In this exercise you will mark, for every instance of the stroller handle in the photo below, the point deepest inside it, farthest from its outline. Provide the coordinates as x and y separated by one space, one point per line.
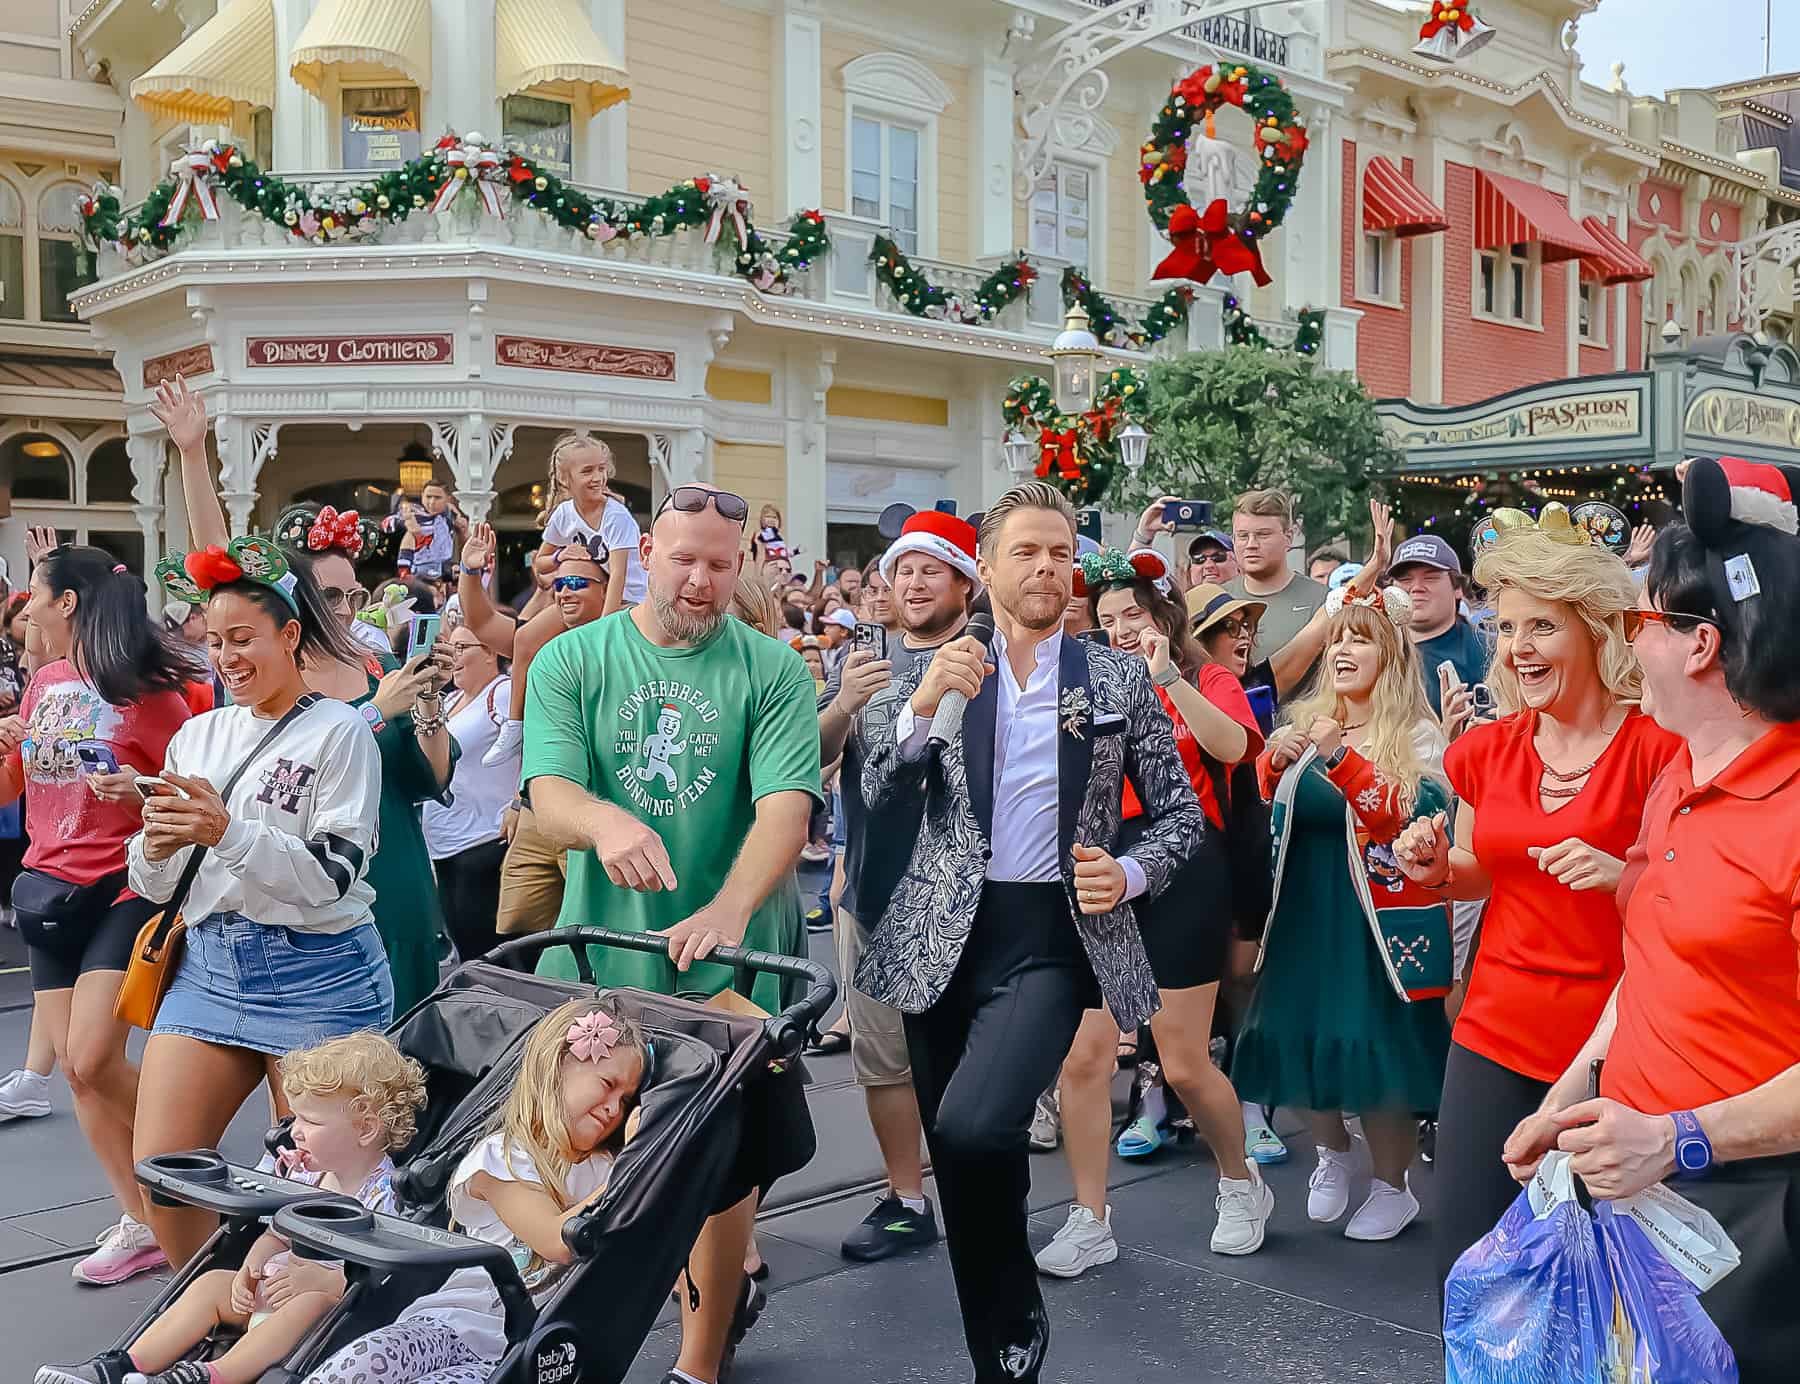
788 1029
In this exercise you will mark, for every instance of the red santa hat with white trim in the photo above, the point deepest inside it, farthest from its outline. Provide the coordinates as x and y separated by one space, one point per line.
943 536
1730 489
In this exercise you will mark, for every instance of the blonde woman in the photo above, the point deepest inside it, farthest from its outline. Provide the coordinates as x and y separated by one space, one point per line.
1344 1019
1548 802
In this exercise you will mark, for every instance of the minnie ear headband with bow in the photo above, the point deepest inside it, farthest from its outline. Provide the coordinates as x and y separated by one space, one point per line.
326 530
192 577
1391 601
1107 568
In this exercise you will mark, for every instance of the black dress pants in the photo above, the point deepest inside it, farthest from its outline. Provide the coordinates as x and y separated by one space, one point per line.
469 891
981 1056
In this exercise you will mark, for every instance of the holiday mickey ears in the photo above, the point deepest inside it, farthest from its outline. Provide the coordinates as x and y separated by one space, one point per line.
893 519
191 576
312 529
1717 493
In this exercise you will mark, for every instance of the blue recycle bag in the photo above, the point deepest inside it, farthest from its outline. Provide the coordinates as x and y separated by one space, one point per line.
1559 1294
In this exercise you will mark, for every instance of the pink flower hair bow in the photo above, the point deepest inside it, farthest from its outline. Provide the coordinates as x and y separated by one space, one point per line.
592 1037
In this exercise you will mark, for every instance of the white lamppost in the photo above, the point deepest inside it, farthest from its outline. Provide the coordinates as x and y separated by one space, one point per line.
1134 445
1075 356
1019 452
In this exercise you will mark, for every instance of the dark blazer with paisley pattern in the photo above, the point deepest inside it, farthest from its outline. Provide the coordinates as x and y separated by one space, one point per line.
1110 724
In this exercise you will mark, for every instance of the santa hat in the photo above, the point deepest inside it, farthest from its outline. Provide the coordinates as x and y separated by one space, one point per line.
935 534
1731 489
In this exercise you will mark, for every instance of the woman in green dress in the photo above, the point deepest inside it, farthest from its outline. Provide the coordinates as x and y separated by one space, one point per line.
1348 1017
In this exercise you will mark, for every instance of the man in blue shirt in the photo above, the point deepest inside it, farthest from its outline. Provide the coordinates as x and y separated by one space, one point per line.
1428 570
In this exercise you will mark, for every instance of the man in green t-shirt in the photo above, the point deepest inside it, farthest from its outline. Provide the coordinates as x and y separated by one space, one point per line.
675 751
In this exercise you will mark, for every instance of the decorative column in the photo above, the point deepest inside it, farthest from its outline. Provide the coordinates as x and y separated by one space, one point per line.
243 448
1430 271
149 456
799 81
991 160
806 378
463 96
1309 253
606 157
304 128
1206 318
475 449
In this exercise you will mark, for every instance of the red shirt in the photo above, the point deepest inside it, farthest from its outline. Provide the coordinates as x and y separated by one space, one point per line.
1549 955
72 731
1224 691
1710 1004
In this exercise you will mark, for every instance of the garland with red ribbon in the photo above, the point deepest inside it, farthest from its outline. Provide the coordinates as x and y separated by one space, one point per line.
1078 454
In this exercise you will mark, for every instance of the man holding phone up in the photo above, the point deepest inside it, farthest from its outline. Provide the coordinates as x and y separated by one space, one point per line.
931 569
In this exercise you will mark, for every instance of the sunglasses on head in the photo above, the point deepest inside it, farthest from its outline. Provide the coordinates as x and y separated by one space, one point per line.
562 584
1636 620
693 499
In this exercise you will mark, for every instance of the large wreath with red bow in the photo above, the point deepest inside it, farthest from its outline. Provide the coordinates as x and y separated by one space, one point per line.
1220 239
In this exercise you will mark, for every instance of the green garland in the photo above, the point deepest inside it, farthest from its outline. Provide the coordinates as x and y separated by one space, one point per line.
1164 316
808 240
922 298
1241 331
1078 455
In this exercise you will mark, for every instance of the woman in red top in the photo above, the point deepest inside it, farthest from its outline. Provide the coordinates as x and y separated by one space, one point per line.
1185 929
1702 1040
1549 798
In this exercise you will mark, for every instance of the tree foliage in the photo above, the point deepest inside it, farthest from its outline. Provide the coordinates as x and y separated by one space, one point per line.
1223 422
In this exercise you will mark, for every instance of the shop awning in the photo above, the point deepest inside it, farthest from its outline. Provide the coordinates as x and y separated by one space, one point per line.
1392 203
547 47
227 60
1617 262
1509 211
382 38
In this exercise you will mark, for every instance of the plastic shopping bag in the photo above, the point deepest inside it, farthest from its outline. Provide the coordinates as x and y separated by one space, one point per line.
1559 1294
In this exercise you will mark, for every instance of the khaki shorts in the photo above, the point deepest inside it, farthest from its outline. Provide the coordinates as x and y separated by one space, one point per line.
531 881
877 1031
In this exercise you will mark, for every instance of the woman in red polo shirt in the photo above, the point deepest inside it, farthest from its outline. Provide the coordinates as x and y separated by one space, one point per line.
1701 1043
1549 798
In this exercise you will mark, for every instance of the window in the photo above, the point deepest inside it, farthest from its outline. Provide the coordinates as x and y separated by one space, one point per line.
39 467
1508 282
109 477
1380 268
1592 306
541 130
62 268
380 126
12 253
262 136
1060 213
884 177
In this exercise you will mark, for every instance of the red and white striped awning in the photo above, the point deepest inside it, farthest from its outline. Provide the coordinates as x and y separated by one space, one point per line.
1392 203
1617 262
1509 211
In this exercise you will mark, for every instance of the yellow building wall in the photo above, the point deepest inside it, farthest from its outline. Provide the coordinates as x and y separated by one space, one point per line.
845 401
700 95
733 386
837 48
757 472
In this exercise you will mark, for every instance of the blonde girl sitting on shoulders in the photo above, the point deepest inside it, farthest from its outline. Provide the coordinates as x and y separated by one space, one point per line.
546 1160
581 507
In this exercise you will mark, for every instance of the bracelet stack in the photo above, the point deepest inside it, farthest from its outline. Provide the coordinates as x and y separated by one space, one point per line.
428 713
1168 677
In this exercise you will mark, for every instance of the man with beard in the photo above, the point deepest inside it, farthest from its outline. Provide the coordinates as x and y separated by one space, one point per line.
1011 917
931 569
657 740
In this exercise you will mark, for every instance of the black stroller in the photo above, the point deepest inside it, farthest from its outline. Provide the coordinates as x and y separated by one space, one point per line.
723 1113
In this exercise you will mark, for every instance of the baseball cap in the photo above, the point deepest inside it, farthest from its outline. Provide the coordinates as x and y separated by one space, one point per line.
1426 550
1212 536
842 617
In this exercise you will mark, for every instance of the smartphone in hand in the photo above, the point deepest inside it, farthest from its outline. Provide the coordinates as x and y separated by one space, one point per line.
871 637
423 634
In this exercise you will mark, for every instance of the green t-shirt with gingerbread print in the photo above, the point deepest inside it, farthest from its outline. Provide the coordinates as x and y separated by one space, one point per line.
685 739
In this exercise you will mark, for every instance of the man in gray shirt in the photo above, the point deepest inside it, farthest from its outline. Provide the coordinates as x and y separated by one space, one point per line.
1262 531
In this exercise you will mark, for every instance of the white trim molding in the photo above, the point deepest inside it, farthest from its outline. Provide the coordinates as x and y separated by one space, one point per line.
894 79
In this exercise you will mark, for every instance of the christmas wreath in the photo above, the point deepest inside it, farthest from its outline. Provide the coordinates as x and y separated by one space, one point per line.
1220 239
1079 455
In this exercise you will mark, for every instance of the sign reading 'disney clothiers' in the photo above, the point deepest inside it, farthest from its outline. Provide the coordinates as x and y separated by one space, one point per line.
419 348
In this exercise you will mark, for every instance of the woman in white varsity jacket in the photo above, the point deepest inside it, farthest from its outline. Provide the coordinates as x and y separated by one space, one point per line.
280 791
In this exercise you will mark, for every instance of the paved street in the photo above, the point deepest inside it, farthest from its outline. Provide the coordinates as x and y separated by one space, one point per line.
1310 1307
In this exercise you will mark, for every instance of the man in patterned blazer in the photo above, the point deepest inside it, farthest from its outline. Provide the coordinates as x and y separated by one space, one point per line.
1013 916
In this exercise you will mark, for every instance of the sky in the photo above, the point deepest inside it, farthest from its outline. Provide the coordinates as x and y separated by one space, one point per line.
1679 43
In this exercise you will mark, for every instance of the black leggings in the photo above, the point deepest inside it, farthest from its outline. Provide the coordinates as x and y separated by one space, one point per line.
1482 1104
469 889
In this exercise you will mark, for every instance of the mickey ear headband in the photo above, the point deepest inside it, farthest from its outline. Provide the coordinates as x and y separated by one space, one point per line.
1109 567
1593 522
313 529
1736 507
192 577
1391 601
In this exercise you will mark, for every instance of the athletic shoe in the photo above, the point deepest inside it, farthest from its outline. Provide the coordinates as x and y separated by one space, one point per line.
1046 1123
891 1228
1141 1138
1329 1197
125 1251
508 743
818 919
1245 1205
1428 1141
815 852
1264 1145
24 1095
1083 1242
1387 1212
110 1368
181 1372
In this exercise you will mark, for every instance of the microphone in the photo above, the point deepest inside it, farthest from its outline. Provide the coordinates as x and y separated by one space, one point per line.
948 720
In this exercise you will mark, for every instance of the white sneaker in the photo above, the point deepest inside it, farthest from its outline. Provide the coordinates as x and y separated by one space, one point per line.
1387 1212
506 744
125 1250
24 1095
1329 1197
1083 1242
1046 1123
1245 1206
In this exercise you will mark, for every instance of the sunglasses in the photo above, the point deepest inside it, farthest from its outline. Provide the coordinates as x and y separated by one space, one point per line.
562 584
1636 620
1217 559
355 597
693 499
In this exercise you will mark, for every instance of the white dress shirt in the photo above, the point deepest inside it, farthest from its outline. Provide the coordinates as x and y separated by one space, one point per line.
1027 728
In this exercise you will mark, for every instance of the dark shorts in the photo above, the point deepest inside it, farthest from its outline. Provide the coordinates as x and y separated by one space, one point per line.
71 929
1187 927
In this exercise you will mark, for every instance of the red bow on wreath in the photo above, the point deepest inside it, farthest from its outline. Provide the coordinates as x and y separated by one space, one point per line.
334 530
1206 245
1058 449
1448 16
518 172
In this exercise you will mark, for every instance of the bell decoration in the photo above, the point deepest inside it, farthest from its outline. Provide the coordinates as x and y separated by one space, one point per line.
1451 32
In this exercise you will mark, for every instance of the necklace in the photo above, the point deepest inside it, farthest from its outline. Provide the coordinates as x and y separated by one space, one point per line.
1358 726
1571 775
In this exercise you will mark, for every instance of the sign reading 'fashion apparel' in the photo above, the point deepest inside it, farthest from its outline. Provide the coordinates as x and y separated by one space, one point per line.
1549 420
584 358
421 348
1734 415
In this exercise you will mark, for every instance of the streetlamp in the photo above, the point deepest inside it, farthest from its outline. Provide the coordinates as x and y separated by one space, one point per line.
1134 445
1075 355
1020 453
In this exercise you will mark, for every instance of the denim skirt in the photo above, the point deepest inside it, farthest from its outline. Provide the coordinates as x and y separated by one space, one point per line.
240 984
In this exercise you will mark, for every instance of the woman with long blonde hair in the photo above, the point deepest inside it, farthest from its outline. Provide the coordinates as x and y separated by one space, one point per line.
1354 958
1548 802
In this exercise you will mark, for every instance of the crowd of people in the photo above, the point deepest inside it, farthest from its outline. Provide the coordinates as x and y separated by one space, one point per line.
1273 839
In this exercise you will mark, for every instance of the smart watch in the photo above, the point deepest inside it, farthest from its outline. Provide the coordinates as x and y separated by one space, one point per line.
1693 1150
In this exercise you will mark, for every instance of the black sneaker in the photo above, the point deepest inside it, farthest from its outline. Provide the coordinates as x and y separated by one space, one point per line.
110 1368
1428 1140
183 1372
890 1229
818 919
